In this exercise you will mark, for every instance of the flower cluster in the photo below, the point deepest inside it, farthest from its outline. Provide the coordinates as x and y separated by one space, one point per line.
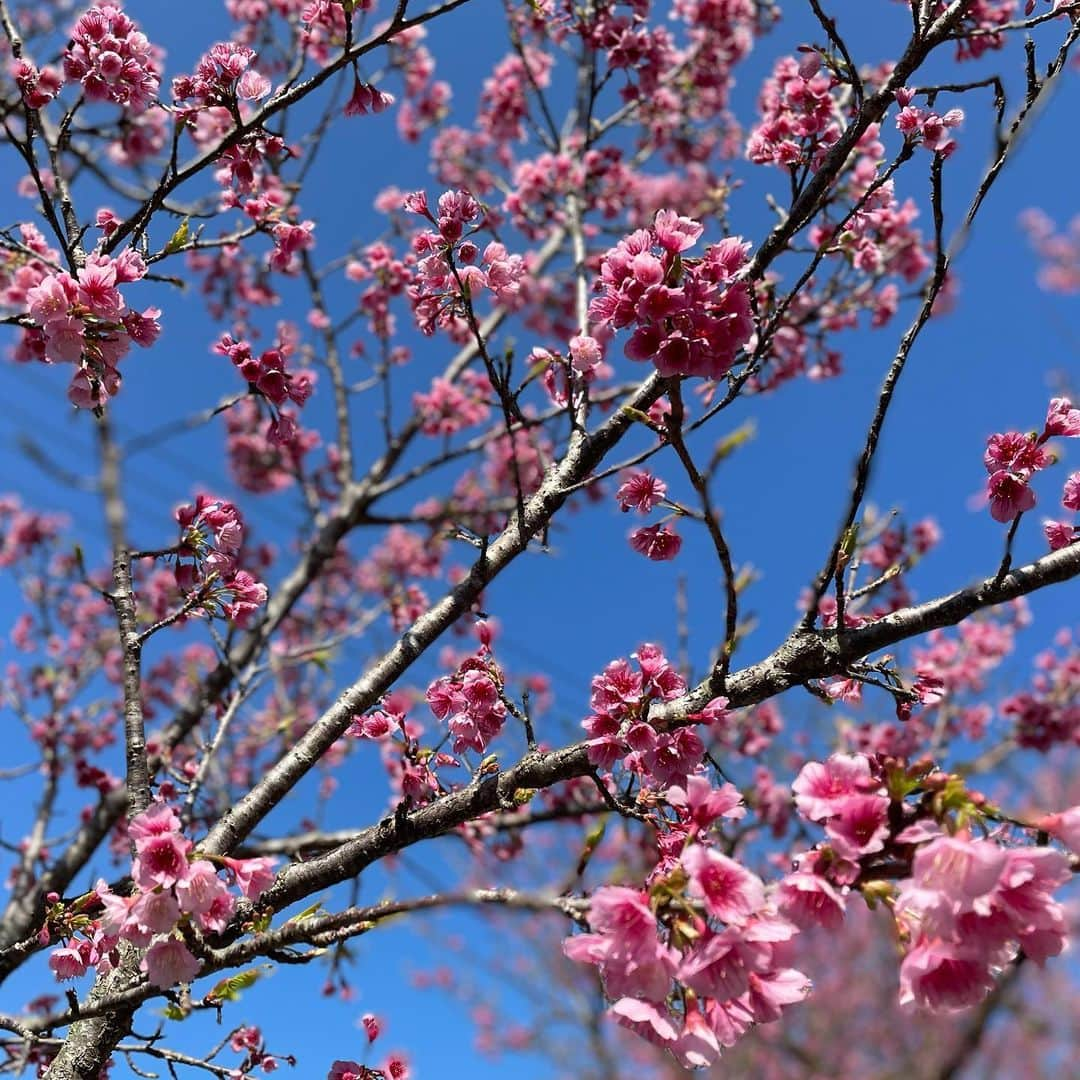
707 926
966 906
451 406
1060 251
173 888
925 126
366 98
38 87
619 729
1012 458
84 320
470 702
690 317
395 1067
1047 714
212 533
268 373
844 794
222 75
112 59
265 459
967 909
451 270
799 116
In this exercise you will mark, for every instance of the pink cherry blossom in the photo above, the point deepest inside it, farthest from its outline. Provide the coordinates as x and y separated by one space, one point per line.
169 962
730 891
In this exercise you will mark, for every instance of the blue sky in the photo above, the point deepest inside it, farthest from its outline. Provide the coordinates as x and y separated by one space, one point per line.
988 366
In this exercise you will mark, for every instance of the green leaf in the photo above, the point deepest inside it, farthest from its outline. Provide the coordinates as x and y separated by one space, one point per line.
229 988
174 1012
636 414
305 914
179 238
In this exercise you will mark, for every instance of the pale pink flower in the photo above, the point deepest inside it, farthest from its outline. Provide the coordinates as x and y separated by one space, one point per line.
959 868
808 900
1064 827
169 962
67 963
199 888
155 912
936 976
253 876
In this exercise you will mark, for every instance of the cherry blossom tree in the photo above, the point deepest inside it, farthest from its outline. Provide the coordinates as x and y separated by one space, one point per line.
574 311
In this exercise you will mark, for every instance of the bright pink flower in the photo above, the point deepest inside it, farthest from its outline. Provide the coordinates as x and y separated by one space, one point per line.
161 860
1059 534
1070 497
156 912
346 1070
1009 495
821 788
704 804
169 962
626 948
657 542
860 825
1015 452
248 595
157 820
730 891
1062 419
371 1025
674 233
641 491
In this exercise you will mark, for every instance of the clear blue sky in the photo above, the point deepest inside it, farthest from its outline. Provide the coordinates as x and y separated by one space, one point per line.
984 368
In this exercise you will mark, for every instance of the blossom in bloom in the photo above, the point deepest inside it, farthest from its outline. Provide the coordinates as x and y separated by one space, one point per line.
730 891
1062 418
625 946
937 976
640 491
160 860
169 962
253 876
809 900
821 788
346 1070
112 59
67 963
1009 495
1070 497
657 542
